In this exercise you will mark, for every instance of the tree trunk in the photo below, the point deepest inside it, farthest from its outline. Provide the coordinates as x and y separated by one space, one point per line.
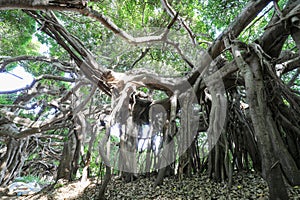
66 168
260 116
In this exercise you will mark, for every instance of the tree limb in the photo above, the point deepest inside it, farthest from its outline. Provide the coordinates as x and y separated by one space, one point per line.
7 61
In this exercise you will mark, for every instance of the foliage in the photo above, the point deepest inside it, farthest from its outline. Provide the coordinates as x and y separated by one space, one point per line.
7 99
17 30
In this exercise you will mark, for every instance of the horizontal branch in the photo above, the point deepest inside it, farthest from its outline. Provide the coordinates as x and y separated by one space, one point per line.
41 5
46 59
123 34
34 127
33 131
226 70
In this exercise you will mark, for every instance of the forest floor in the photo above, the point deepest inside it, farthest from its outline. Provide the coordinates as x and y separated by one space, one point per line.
244 186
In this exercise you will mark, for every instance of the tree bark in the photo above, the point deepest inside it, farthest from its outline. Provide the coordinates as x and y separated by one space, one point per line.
12 162
65 169
260 115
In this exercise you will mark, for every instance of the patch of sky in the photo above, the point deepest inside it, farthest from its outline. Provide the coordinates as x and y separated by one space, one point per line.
15 79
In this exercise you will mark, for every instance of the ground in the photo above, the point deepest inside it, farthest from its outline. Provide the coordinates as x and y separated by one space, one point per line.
244 186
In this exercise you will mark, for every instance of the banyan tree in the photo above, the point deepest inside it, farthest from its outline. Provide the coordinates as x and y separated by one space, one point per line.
149 88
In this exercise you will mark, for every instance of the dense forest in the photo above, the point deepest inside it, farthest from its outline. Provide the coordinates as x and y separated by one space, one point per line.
148 90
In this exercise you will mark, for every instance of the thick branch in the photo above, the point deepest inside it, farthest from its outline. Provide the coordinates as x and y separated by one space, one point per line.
241 22
41 5
233 31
